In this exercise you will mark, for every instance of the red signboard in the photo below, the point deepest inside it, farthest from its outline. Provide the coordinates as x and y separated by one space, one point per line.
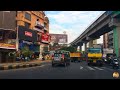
45 38
28 33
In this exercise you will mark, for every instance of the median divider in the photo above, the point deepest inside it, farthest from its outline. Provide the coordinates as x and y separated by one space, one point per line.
20 65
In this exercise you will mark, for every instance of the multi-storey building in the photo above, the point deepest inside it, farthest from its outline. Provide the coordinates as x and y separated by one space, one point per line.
108 40
23 28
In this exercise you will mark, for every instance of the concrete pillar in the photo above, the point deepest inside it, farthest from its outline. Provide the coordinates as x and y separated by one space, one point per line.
0 57
116 40
85 46
80 48
91 43
41 51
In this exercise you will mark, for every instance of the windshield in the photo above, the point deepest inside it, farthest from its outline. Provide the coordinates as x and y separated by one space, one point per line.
94 50
57 55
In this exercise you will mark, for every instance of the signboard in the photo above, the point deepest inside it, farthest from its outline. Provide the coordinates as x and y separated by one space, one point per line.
59 38
7 46
27 34
45 38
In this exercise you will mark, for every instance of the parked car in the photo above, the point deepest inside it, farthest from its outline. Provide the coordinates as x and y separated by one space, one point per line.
61 59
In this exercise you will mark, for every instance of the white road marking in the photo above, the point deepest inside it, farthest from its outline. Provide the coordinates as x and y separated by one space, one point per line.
90 68
42 66
98 68
81 67
107 68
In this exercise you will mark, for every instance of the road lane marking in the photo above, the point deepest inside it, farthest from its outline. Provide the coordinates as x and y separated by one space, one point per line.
90 68
81 67
42 66
98 68
105 68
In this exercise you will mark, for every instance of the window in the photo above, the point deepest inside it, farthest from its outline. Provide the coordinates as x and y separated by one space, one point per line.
45 24
27 16
27 25
38 38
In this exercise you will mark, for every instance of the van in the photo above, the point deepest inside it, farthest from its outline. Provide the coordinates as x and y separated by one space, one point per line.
61 59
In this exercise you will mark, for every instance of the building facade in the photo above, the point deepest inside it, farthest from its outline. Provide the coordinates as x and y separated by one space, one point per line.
19 29
105 40
108 40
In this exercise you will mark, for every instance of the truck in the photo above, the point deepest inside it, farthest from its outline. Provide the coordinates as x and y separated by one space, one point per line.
75 56
94 55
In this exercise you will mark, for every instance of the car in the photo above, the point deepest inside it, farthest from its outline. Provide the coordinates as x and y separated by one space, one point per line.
61 59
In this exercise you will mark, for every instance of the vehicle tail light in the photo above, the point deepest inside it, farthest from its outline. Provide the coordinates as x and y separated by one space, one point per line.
62 57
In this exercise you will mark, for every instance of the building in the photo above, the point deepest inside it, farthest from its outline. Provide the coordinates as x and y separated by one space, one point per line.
105 40
108 40
23 28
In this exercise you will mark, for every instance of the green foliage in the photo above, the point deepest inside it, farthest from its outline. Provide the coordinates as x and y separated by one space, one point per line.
70 48
26 52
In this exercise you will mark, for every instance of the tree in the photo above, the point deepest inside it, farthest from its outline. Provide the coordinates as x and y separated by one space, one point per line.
26 52
70 48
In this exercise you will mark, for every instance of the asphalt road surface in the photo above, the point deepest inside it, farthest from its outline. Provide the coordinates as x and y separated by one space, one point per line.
76 70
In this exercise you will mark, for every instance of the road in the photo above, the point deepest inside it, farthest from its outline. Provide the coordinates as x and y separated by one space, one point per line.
74 71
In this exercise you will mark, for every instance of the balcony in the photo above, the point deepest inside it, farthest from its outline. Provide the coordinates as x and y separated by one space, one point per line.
39 27
45 29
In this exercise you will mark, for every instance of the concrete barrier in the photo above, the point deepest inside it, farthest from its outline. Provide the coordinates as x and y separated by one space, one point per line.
21 65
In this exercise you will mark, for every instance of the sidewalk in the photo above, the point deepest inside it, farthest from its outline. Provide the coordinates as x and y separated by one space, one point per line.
16 65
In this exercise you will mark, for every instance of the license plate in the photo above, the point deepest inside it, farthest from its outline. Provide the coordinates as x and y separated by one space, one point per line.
94 61
57 59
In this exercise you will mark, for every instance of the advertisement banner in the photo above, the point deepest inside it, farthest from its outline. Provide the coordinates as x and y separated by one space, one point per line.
27 34
45 38
59 38
7 46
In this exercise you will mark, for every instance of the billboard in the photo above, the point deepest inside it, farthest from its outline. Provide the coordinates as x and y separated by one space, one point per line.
59 38
27 34
45 38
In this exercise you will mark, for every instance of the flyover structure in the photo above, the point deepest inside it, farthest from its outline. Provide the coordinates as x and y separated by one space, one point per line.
108 21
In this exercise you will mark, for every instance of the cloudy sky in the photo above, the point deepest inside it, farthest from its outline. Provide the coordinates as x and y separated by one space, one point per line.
73 22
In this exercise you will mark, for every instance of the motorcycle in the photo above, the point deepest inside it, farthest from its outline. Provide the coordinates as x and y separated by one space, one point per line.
115 64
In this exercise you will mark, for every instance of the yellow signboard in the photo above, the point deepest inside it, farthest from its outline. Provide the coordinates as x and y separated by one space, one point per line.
5 45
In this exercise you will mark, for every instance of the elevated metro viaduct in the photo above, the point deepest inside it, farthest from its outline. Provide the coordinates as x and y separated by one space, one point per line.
108 21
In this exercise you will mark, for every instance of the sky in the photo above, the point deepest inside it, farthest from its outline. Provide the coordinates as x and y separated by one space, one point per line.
73 22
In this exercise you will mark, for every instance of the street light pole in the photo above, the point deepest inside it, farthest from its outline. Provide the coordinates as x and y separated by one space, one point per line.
17 39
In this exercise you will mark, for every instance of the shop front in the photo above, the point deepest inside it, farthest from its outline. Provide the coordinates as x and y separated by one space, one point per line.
7 45
7 52
27 42
45 40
